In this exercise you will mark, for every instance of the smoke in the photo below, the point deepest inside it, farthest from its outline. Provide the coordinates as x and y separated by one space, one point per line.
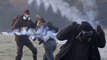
90 9
72 13
30 1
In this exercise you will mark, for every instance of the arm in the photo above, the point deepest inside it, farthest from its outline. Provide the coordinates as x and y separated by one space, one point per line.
63 34
67 32
101 37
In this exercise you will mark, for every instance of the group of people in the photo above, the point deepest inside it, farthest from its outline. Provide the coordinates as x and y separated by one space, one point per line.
82 39
25 30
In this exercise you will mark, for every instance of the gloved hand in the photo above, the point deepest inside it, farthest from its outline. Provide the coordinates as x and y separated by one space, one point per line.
40 41
100 31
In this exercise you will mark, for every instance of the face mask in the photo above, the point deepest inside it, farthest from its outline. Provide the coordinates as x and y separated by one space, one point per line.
85 36
26 16
87 33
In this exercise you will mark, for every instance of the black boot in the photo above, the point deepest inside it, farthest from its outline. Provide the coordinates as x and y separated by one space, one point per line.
35 57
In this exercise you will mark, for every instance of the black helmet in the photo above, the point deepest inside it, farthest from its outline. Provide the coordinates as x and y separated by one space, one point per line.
85 26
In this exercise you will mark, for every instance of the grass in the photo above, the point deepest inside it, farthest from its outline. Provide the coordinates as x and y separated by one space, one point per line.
8 49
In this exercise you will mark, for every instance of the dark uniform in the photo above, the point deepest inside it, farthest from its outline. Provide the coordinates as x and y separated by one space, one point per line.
23 40
80 46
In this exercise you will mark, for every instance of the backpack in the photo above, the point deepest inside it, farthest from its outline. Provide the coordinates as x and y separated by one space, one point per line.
14 21
52 27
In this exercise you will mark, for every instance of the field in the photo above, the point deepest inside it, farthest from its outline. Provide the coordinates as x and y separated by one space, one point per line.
8 49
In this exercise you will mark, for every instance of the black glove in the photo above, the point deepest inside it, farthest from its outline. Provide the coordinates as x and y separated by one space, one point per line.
34 39
100 31
40 41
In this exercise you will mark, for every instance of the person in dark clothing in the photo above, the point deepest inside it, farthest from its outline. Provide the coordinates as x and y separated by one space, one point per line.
23 23
82 42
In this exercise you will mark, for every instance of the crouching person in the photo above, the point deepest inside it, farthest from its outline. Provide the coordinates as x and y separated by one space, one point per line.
82 42
46 35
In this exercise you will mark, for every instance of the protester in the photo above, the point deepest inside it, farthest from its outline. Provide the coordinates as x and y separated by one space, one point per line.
22 26
82 42
46 35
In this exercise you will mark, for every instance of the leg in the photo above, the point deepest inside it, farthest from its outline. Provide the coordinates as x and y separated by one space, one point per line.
44 57
19 50
32 48
49 47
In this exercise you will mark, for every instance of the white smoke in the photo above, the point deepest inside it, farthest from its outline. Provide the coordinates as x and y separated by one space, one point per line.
90 9
30 1
72 12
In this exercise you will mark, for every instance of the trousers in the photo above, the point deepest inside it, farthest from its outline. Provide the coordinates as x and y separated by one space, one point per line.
22 41
49 48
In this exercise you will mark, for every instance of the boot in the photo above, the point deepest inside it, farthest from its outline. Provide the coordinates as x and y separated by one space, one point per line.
35 57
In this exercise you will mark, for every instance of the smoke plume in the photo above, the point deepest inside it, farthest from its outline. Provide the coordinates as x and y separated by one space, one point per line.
72 13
